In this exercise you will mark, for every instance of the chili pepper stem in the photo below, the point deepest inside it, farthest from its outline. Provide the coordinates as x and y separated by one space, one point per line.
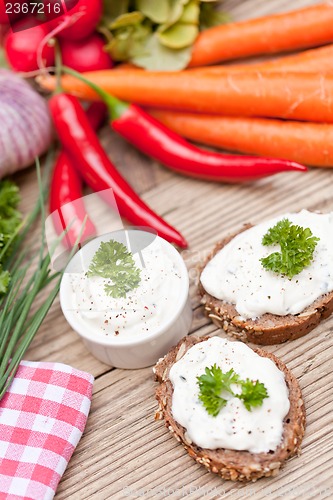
115 106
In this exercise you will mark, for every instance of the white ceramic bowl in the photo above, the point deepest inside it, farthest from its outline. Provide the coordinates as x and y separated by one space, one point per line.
138 352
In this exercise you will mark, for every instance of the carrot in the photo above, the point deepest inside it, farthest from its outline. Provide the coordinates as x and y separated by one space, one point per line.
309 143
298 96
319 60
308 27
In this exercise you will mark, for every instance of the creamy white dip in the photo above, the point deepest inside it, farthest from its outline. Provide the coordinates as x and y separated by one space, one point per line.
234 428
144 309
236 275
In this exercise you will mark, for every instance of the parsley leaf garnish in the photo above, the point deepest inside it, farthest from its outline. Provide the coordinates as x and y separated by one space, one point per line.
213 382
115 263
297 247
253 393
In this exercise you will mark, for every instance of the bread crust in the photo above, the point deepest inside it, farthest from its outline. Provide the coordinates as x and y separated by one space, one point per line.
231 464
267 329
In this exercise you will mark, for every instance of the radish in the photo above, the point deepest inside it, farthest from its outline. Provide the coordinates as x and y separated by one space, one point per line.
3 31
21 46
80 21
85 55
4 18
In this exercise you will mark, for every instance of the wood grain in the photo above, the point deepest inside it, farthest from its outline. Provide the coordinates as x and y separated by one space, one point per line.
124 453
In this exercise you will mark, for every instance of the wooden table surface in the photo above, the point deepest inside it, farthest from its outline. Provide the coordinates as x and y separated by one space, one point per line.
124 453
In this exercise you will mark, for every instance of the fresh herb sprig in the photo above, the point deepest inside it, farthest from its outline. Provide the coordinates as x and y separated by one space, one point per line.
115 263
214 382
10 220
297 247
19 320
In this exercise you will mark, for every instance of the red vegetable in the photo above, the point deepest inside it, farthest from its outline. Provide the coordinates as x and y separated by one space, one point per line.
156 140
85 55
66 188
4 18
87 154
81 20
22 46
3 32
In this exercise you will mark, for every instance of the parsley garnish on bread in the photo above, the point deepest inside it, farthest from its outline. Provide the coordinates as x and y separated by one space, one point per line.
297 248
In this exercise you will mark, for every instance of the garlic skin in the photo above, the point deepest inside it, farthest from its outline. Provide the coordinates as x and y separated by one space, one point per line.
26 128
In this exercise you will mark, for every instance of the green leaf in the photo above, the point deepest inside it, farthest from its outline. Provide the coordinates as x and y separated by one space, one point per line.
10 220
297 248
179 36
253 394
213 382
115 263
212 403
4 281
210 16
129 42
156 57
191 13
176 10
127 20
113 9
157 11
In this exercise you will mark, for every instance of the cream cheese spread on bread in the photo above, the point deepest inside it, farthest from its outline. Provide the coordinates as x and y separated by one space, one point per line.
236 275
234 428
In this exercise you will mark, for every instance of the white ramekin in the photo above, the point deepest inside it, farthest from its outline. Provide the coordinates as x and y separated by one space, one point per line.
127 352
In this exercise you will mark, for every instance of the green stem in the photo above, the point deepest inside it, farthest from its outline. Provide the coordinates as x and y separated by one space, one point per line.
115 106
58 65
7 377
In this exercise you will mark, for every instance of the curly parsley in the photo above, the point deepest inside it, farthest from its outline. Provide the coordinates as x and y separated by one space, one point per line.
297 247
10 220
115 263
214 382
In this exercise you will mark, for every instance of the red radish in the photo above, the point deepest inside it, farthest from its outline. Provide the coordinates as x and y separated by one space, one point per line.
82 20
3 16
22 46
11 7
85 55
3 31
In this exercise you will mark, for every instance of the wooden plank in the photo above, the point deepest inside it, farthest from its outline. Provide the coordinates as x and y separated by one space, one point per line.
124 453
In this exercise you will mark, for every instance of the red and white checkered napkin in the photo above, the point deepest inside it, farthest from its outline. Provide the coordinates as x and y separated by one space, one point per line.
42 418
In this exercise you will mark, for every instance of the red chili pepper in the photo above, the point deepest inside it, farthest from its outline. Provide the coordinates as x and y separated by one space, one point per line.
66 204
156 140
87 154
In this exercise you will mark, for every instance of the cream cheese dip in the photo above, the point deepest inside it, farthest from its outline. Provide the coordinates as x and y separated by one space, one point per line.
144 309
236 275
135 330
234 428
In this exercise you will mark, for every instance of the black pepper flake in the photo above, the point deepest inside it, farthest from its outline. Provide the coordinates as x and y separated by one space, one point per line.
116 332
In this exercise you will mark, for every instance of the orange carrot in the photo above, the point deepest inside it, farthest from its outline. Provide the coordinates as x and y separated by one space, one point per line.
308 27
318 60
298 96
309 143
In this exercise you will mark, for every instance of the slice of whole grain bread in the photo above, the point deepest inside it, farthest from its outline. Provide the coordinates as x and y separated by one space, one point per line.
231 464
268 329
